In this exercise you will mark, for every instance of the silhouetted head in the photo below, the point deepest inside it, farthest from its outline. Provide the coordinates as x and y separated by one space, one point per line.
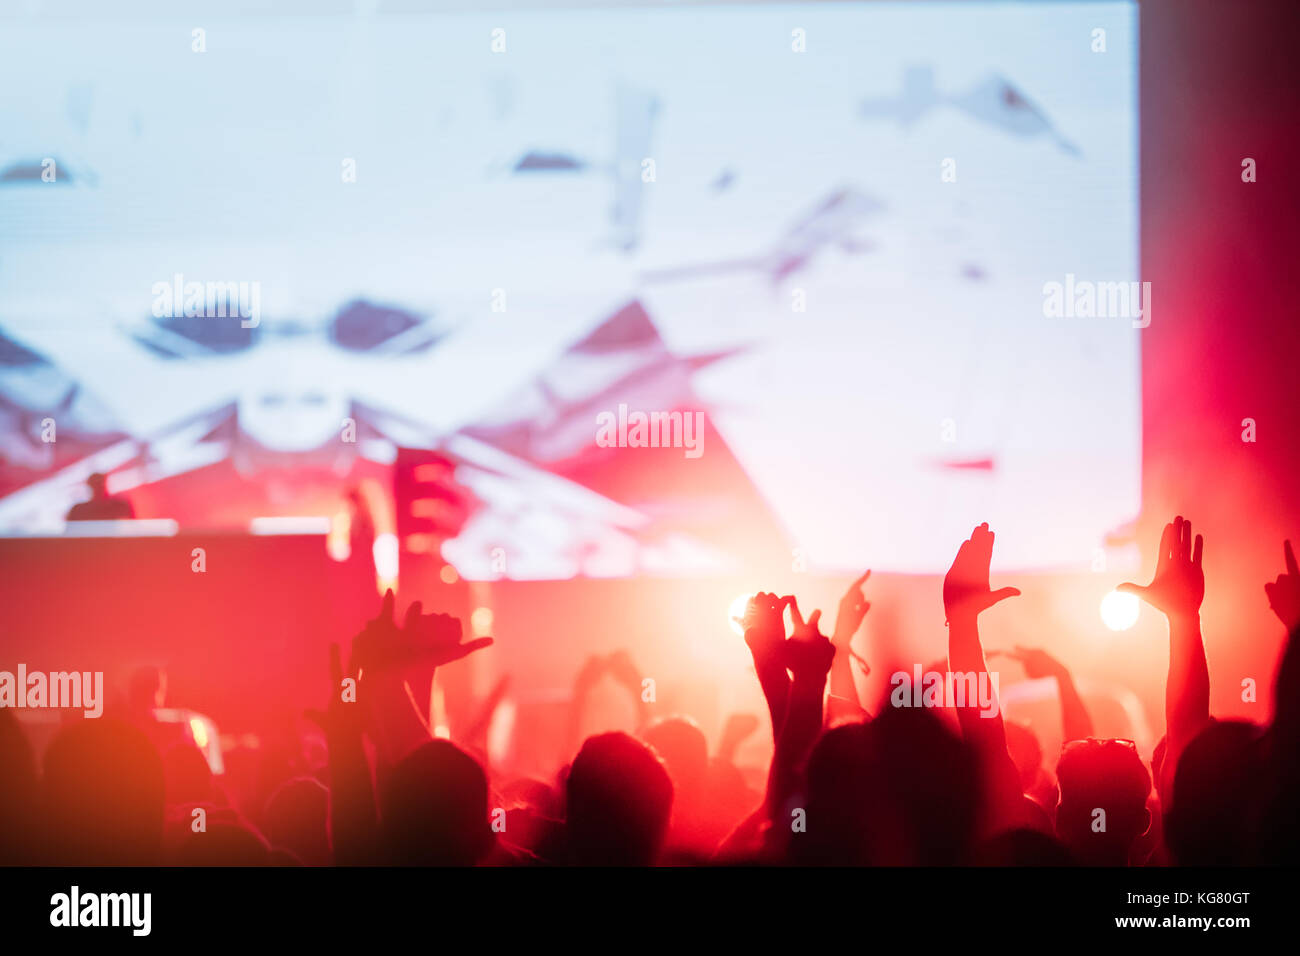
681 745
899 790
619 798
297 819
98 485
1219 787
435 808
1103 809
102 796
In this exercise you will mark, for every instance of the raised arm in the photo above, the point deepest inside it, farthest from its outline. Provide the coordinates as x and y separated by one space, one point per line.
764 627
628 676
966 594
390 668
398 665
353 817
1076 724
844 702
1284 598
588 676
1284 593
1177 591
807 655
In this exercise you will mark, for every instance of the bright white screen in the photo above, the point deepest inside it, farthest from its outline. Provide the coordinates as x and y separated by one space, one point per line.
865 227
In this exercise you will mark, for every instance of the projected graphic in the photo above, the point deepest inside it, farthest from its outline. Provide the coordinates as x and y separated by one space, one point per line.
258 271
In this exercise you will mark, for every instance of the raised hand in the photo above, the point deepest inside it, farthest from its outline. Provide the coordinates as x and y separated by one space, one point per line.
764 624
764 629
353 818
852 610
1177 589
1284 593
808 653
1179 583
423 642
1076 724
345 710
1036 661
966 594
966 586
593 668
620 667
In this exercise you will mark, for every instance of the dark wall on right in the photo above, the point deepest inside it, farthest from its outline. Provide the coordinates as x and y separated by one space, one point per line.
1219 85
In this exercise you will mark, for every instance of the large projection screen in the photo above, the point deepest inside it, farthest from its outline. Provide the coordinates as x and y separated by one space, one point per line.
833 230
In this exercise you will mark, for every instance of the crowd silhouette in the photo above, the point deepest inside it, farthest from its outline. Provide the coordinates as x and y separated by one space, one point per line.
900 786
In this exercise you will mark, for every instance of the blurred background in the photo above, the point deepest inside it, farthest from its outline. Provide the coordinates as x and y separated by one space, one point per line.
438 326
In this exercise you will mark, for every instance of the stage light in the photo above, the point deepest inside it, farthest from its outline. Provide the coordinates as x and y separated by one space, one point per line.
338 543
501 728
448 574
481 621
737 610
385 553
1119 611
199 730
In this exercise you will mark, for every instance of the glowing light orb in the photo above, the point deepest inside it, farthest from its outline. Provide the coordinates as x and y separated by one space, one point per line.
737 610
385 553
481 621
1119 611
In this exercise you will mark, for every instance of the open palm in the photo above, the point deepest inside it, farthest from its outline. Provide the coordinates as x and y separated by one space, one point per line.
966 586
1284 593
853 609
1179 583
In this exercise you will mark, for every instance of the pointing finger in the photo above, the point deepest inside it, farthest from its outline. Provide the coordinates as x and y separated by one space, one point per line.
795 617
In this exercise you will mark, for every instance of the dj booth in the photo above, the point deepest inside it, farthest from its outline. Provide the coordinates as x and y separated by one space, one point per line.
241 622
